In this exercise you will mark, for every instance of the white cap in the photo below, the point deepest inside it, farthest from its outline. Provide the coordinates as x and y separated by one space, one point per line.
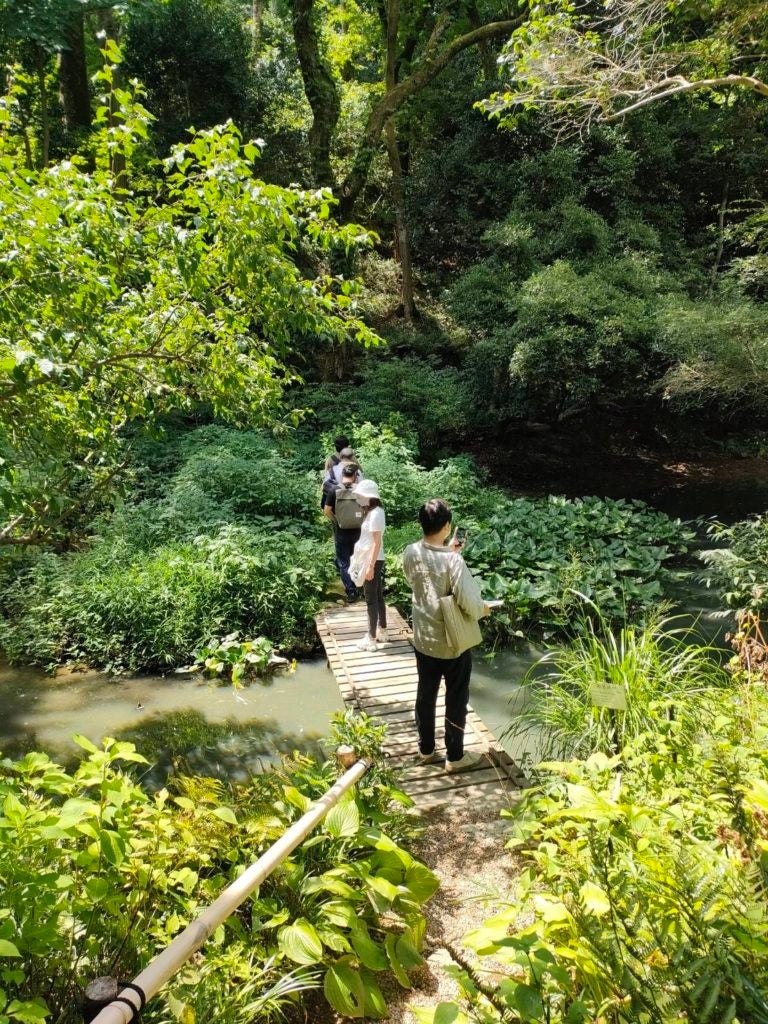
367 489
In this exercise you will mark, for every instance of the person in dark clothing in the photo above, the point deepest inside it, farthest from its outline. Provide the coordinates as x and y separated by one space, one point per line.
341 506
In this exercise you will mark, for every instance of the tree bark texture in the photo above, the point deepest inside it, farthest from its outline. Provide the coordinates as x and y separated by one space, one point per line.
402 238
321 91
73 76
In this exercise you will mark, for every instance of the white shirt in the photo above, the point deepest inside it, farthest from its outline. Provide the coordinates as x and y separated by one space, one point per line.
374 522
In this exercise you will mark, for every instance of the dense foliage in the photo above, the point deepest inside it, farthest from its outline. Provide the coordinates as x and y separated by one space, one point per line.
119 304
228 537
98 876
739 564
641 894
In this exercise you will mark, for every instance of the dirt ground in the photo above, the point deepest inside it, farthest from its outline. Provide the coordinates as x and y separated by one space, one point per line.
466 851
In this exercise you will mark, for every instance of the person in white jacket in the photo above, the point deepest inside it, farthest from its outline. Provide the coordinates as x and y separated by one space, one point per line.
435 569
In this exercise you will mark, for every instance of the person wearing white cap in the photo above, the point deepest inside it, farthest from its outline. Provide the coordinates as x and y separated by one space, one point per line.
367 565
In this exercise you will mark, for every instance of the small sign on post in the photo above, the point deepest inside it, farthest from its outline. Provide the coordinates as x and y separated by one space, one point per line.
609 695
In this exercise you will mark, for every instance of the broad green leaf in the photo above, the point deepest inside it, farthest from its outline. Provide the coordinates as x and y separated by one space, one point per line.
225 814
594 899
343 988
343 820
300 942
7 948
422 882
390 945
112 846
368 952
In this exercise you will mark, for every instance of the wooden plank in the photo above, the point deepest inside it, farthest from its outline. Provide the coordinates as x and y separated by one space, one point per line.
383 683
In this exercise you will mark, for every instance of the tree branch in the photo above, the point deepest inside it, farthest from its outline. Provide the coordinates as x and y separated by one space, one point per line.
394 98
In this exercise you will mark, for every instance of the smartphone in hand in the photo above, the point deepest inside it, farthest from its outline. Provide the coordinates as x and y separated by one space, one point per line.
461 535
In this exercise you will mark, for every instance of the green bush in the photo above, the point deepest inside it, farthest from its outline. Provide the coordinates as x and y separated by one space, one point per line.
739 565
642 894
98 877
125 608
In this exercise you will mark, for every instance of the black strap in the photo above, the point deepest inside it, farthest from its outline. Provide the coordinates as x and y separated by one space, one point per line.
139 992
128 1002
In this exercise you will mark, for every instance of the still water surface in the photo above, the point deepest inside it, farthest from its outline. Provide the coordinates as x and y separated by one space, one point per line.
216 730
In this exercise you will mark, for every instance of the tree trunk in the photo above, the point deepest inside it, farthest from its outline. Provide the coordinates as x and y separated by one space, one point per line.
45 121
320 89
402 239
73 76
720 239
394 98
257 14
487 58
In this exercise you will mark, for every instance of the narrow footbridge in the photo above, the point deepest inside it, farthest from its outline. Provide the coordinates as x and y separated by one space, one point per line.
383 685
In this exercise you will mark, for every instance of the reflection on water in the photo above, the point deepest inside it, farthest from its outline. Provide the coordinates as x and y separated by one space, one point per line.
206 728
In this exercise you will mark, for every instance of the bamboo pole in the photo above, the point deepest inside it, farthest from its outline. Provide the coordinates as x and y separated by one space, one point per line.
167 963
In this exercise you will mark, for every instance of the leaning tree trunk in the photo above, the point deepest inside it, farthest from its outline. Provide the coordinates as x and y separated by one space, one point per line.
402 238
73 76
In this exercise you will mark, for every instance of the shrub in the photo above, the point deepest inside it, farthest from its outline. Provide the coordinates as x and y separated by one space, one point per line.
127 608
739 565
98 877
642 893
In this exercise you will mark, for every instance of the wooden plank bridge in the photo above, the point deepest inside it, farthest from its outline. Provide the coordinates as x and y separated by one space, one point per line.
383 685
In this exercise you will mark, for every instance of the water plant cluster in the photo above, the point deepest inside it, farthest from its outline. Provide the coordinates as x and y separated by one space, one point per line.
224 533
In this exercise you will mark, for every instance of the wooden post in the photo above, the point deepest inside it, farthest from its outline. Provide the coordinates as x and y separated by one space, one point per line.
98 994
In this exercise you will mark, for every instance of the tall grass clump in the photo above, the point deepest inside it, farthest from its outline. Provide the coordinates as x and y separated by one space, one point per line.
662 669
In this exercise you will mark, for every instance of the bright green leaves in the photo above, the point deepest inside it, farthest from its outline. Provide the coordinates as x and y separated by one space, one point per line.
353 993
300 942
93 847
131 308
544 556
343 820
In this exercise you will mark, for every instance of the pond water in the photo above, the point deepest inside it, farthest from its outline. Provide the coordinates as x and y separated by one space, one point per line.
199 725
216 730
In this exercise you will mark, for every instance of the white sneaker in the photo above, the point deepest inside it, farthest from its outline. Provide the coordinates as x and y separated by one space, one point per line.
467 762
367 643
382 635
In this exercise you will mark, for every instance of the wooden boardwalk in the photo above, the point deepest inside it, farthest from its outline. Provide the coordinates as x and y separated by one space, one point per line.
383 684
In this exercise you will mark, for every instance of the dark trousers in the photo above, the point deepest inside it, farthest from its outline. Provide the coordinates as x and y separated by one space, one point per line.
374 598
456 672
345 541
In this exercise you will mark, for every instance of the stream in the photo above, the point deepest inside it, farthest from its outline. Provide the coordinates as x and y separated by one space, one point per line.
207 728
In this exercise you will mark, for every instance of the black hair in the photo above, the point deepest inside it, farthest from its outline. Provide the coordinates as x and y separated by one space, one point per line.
374 503
341 442
433 515
351 469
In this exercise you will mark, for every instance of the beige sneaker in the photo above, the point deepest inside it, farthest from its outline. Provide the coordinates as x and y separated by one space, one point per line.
433 758
467 763
382 635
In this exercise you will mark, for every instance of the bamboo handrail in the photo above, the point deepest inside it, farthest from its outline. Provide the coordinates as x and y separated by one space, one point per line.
167 963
